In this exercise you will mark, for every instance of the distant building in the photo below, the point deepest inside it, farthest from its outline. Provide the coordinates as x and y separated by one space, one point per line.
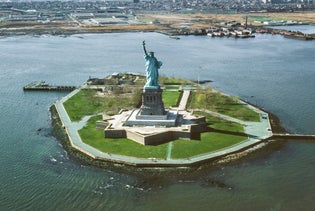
82 15
27 17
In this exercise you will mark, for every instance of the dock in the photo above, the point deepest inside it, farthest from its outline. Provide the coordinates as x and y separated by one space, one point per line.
43 86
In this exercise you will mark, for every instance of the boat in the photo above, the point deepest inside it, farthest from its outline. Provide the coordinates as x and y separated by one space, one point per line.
175 37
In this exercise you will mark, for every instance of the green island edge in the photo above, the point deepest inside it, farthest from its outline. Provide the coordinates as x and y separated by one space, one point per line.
220 134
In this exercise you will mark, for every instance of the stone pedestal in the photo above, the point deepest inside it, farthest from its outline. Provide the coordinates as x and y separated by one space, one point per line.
152 112
152 104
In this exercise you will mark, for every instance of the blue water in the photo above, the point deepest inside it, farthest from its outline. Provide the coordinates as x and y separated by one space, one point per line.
269 70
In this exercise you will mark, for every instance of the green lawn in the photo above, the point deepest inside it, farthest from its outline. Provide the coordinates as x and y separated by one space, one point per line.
170 80
85 102
262 18
210 141
221 124
227 134
215 101
170 98
82 104
121 146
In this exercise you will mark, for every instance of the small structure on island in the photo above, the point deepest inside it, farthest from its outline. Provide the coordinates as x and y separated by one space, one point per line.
152 124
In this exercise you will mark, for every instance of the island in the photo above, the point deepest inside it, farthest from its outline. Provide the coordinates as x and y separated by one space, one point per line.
122 121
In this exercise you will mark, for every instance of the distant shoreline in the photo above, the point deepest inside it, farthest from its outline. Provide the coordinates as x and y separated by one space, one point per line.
169 24
69 32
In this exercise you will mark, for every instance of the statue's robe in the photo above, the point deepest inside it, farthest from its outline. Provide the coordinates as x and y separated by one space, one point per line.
152 73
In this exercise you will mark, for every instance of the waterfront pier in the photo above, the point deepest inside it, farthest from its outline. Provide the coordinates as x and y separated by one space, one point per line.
43 86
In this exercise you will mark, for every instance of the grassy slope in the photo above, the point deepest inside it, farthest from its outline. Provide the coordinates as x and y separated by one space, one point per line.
215 101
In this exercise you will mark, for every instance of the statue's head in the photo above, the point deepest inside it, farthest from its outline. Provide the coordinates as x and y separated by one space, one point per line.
151 53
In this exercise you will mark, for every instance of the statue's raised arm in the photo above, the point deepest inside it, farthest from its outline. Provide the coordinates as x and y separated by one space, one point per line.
144 49
152 69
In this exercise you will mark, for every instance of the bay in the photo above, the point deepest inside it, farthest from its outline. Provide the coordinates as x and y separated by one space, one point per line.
269 70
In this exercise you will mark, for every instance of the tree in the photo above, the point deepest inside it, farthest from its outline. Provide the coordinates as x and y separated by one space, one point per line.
136 97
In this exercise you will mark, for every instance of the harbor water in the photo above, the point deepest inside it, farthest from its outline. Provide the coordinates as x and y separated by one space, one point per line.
273 72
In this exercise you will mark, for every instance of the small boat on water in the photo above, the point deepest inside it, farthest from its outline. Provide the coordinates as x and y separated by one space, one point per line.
175 37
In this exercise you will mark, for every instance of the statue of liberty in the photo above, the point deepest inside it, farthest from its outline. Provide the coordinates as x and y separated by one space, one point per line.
152 69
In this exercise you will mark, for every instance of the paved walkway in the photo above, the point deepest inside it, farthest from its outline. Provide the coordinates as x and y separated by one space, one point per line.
169 150
184 100
258 131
